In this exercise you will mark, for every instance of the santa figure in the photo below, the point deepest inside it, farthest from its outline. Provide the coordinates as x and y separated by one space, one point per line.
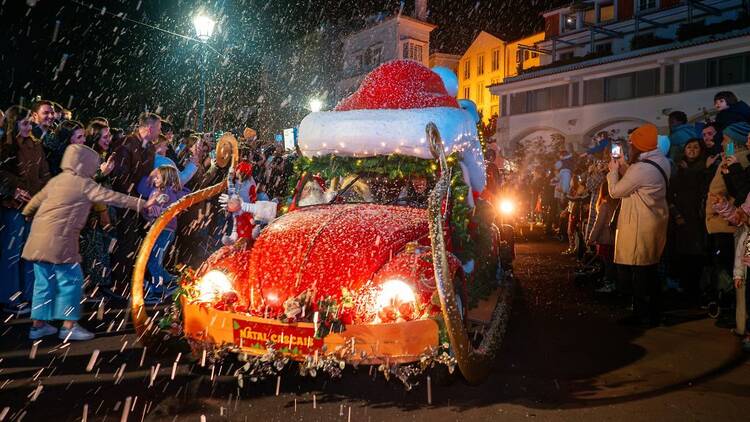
243 186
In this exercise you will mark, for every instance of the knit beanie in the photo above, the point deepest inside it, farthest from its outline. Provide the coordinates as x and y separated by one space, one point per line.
737 132
645 137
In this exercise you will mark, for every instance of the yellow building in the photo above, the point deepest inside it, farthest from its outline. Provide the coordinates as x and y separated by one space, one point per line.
489 60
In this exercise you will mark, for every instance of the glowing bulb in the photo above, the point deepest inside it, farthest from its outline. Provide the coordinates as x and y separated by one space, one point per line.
394 292
204 27
213 285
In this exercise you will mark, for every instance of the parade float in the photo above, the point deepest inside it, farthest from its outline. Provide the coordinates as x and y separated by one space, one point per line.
388 254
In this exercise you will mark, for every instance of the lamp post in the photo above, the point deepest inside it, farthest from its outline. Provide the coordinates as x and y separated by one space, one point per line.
204 28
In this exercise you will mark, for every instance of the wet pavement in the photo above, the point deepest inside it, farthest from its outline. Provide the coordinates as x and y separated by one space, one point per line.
564 358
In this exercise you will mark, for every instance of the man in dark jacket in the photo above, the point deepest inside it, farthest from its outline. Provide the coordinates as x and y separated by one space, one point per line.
134 160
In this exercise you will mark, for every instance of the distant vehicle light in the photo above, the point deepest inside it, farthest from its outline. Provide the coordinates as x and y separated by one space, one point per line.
507 206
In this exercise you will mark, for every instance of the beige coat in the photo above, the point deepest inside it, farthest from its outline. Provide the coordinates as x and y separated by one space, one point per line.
61 208
714 222
642 225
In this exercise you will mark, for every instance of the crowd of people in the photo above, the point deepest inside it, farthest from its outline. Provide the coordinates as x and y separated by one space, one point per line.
78 199
653 213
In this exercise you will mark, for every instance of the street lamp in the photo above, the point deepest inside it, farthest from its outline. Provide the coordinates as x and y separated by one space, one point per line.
315 105
204 28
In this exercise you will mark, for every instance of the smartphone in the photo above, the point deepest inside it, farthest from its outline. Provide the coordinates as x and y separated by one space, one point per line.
730 149
616 151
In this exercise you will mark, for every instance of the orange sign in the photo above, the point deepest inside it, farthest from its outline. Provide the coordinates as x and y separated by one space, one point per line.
288 339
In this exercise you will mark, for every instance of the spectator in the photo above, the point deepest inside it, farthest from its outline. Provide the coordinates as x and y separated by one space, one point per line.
25 170
641 232
738 216
134 160
577 196
163 189
493 174
60 211
603 236
43 128
686 195
70 132
712 145
680 131
98 233
730 109
170 152
735 167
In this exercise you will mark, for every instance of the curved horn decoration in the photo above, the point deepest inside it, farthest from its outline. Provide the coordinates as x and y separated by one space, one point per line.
145 327
473 365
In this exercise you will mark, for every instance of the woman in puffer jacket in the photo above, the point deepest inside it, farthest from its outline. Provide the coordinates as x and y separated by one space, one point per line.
641 233
60 211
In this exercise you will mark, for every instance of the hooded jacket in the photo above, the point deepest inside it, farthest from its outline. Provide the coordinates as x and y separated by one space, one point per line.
642 224
62 207
735 113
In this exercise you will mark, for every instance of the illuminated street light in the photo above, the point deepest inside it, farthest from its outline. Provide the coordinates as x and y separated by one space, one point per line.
204 27
315 105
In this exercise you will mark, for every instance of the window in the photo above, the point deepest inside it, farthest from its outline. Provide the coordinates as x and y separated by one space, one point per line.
480 93
647 83
359 62
693 75
412 51
494 98
575 100
526 55
719 71
495 59
518 103
647 4
376 53
604 47
480 65
558 97
606 12
569 23
567 55
467 93
730 70
503 105
589 16
593 91
619 87
534 54
467 69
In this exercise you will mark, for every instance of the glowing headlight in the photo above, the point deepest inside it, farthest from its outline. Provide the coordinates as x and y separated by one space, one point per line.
394 292
212 285
507 206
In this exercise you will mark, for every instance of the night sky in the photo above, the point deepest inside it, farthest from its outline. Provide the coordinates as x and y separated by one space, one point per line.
98 64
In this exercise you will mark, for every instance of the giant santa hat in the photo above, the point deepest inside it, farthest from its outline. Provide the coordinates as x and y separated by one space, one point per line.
388 115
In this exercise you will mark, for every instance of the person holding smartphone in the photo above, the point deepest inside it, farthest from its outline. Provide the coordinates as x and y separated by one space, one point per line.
641 233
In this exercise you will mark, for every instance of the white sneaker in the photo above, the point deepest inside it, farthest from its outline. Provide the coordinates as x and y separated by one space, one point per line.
76 333
35 333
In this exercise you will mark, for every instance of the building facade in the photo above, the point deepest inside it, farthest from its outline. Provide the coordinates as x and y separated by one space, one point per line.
611 65
489 60
446 60
396 37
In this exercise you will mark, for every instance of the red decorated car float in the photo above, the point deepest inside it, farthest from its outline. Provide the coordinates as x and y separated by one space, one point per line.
388 254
